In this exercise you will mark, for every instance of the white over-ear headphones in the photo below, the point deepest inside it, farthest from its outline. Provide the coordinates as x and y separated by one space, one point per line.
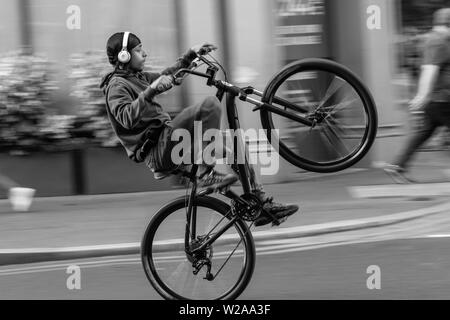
124 56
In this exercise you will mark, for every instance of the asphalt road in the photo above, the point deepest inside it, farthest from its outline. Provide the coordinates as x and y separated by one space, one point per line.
413 260
64 222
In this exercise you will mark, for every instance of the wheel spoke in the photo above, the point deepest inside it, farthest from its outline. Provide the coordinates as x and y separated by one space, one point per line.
331 141
300 93
305 138
345 130
339 140
178 278
217 224
339 106
331 90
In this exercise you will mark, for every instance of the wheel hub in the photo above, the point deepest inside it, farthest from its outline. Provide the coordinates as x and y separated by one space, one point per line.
317 117
204 254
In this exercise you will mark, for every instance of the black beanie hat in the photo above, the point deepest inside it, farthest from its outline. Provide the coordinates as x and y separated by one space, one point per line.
114 45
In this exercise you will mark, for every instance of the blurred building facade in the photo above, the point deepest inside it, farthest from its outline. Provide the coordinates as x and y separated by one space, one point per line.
255 39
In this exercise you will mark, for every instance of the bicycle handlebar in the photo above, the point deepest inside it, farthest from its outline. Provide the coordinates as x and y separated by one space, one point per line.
177 77
222 86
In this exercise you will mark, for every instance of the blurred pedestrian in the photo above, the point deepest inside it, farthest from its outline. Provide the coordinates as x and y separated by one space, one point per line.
433 93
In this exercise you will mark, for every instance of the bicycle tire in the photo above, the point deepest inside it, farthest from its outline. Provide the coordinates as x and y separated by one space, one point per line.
342 72
200 201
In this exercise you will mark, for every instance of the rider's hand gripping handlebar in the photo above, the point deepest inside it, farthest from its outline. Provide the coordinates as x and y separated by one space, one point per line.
178 77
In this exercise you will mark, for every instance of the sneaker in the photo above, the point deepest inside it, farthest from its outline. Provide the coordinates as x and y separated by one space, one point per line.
397 173
280 211
214 180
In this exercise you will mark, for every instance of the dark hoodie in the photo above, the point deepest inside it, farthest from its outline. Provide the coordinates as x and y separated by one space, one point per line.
131 106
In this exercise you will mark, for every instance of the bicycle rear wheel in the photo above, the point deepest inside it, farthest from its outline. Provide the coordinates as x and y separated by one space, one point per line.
340 107
170 269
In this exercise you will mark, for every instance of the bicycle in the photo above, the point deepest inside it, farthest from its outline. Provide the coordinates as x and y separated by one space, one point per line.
200 247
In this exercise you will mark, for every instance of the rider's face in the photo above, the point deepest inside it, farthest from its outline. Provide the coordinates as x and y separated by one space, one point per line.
138 56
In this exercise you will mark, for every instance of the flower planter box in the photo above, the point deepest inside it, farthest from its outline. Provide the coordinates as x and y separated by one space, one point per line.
108 170
49 174
100 170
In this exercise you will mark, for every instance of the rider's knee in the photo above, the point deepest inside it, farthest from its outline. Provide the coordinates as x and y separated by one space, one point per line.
211 105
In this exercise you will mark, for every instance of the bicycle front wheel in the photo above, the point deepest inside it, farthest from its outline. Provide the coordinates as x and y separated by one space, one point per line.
341 115
177 274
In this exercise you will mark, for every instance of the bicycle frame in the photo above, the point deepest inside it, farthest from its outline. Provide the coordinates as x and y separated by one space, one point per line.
232 92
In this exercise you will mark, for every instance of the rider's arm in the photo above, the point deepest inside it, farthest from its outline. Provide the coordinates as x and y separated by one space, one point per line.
126 110
182 62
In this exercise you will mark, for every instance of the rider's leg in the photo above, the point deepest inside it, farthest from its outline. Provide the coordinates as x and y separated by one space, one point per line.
208 113
279 210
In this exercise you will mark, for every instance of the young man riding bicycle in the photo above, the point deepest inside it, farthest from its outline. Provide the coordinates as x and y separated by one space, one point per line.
145 129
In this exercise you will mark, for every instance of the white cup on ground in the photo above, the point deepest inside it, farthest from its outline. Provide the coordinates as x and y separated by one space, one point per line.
21 198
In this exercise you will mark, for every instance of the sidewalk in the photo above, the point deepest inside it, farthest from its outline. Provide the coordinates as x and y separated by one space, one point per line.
57 228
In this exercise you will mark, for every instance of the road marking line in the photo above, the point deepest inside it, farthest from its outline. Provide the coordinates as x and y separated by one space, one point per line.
58 267
306 175
78 263
438 236
13 272
395 190
72 249
278 242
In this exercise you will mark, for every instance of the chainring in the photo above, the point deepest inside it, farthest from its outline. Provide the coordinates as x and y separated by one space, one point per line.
250 212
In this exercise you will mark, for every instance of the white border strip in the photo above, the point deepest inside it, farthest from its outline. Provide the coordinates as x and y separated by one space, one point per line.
400 190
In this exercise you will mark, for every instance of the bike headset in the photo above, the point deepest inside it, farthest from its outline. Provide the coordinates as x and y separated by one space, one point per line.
124 56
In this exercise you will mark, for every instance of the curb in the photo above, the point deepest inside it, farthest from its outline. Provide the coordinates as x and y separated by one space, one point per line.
401 190
306 176
32 255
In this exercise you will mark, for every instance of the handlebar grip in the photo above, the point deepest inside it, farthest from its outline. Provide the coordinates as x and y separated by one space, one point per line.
177 81
162 88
